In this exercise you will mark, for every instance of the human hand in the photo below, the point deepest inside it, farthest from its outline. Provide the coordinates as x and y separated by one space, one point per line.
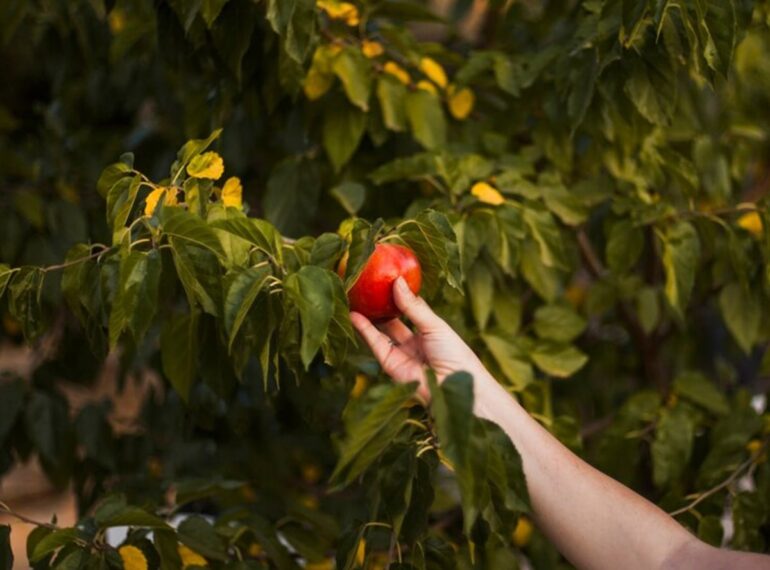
405 355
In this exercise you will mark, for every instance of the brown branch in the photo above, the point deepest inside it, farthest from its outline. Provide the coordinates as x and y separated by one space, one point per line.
9 511
66 264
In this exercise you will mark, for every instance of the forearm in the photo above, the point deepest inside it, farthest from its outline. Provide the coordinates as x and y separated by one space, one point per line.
594 521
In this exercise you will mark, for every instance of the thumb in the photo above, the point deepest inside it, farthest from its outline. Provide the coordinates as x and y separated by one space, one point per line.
414 307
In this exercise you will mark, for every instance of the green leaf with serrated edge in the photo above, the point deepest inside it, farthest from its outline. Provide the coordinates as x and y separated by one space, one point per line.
188 267
672 446
558 322
24 300
240 298
355 73
512 360
115 511
311 290
259 233
197 533
681 251
343 129
180 224
179 352
6 554
556 359
481 288
452 407
135 302
367 432
432 238
350 195
362 237
546 233
391 94
110 176
73 560
190 149
742 312
426 118
74 276
697 388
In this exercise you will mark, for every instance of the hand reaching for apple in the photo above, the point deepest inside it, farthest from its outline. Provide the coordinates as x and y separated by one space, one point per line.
405 355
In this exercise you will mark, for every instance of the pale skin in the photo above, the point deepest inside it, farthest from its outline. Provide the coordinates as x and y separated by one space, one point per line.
593 520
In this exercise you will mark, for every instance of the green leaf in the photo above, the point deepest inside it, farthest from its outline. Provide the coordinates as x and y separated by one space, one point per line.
558 322
558 359
681 250
55 540
672 446
166 544
311 290
512 360
710 530
742 313
74 560
259 233
5 277
375 431
426 119
342 131
548 237
136 300
452 408
350 195
48 427
652 88
391 94
6 554
543 279
417 166
697 388
111 176
199 273
179 352
120 201
293 189
648 308
624 246
362 237
95 435
114 511
210 10
481 288
183 225
233 32
197 533
240 298
327 251
190 150
355 73
24 301
11 402
749 516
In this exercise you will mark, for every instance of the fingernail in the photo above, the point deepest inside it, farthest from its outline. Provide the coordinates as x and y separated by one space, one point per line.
402 286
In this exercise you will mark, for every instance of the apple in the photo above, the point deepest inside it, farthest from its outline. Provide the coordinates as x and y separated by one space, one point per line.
372 293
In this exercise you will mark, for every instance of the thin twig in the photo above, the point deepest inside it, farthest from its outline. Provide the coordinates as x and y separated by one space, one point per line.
4 508
76 261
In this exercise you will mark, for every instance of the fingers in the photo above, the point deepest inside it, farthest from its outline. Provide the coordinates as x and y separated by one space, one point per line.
379 343
397 330
415 308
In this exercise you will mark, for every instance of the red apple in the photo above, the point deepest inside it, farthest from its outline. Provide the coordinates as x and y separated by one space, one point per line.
372 293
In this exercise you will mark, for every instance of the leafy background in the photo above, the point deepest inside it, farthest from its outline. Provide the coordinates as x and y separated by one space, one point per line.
585 183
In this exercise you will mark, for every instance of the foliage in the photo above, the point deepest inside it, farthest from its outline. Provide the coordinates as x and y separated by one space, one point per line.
586 188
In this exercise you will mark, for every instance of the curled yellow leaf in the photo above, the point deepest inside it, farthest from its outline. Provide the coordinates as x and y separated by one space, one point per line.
487 193
433 71
255 550
232 193
208 165
151 202
132 557
523 532
361 552
371 49
342 11
190 557
752 223
461 102
359 387
116 21
394 69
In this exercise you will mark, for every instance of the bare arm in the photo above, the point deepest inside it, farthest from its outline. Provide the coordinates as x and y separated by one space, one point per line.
596 522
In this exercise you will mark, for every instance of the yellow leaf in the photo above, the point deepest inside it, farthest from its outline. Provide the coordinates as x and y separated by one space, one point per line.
327 564
232 193
190 557
371 48
361 552
427 86
752 223
433 71
397 71
317 84
117 21
487 193
311 473
171 197
523 532
461 102
344 11
360 386
754 446
207 165
133 558
310 502
151 202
